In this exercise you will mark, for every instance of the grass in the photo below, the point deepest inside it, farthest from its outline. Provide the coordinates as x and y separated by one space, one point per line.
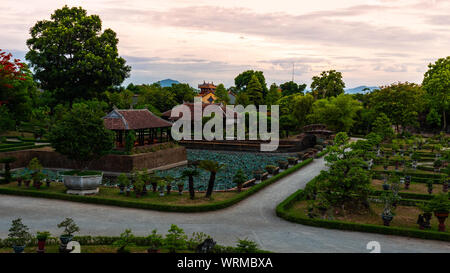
405 216
152 197
89 249
413 187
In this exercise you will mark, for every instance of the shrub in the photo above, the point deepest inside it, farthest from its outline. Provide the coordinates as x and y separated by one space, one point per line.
69 227
126 239
175 239
247 246
18 233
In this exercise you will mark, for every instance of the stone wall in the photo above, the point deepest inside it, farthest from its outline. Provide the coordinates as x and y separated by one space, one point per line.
111 163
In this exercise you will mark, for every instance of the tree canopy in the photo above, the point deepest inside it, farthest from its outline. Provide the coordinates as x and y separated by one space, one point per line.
72 58
328 84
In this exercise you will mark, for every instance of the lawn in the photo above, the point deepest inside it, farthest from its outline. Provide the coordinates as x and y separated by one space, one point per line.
152 197
414 187
405 216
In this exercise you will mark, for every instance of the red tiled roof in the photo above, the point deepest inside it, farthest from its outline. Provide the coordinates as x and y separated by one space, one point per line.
191 108
133 119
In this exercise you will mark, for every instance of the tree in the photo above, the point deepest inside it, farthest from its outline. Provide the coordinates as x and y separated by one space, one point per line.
382 126
239 178
401 102
72 58
18 233
121 100
433 118
222 94
81 136
273 95
289 88
17 88
182 92
436 83
175 239
213 167
301 107
129 141
162 99
126 239
328 84
337 112
6 120
254 91
242 80
190 173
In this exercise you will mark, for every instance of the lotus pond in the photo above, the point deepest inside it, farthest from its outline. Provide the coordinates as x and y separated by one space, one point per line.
233 161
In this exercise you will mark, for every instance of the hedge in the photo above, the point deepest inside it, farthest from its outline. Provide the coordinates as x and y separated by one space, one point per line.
160 207
282 211
20 148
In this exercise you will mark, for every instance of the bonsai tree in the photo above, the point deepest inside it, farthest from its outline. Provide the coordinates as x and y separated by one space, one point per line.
155 241
175 239
19 235
239 179
81 136
213 167
138 185
69 229
7 161
123 182
440 205
271 169
190 174
126 239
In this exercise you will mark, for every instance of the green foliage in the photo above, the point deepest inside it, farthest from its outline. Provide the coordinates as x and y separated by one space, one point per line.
129 141
81 135
34 165
242 81
69 227
290 88
239 178
247 246
439 203
72 58
338 113
42 235
155 240
254 91
436 83
328 84
175 239
7 122
123 179
222 94
382 126
126 240
18 233
273 95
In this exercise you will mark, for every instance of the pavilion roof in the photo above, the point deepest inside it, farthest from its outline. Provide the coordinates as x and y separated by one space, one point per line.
133 119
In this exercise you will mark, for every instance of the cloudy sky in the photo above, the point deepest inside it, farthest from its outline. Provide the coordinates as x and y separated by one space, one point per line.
372 42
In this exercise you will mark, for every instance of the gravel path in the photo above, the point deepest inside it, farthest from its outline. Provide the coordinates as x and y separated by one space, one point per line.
253 218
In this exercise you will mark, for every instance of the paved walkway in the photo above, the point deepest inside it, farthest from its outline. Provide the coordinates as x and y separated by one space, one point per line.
253 218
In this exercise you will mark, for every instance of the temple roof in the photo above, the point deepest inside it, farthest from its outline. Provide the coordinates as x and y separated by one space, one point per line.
133 119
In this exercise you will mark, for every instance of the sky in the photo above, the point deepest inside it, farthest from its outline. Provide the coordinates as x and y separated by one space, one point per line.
372 42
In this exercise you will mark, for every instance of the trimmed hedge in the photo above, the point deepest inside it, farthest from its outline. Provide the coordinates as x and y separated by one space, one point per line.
160 207
282 211
24 147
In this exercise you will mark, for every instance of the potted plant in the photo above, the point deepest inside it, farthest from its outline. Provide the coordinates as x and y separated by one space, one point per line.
138 185
169 180
37 180
437 165
292 160
69 229
424 218
283 164
180 185
386 186
155 242
161 185
42 237
19 235
27 179
239 179
271 169
258 174
126 239
440 205
300 155
81 136
430 187
387 216
123 181
7 161
19 178
47 181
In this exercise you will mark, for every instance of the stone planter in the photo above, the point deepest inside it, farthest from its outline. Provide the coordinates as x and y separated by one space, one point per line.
387 219
441 217
82 185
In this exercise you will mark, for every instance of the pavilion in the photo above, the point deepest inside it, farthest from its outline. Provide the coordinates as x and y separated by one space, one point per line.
142 121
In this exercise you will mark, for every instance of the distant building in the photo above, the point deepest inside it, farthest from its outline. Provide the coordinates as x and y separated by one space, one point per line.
207 92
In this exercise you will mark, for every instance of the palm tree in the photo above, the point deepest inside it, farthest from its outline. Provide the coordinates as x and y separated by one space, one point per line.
190 173
213 167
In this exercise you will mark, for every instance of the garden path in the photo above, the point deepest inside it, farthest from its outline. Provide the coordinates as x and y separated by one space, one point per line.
253 218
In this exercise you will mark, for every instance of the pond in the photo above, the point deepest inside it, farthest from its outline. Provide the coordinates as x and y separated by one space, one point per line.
233 161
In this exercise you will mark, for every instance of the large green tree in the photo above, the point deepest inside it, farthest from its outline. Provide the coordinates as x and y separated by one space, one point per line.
401 102
254 91
273 95
222 94
72 57
436 83
289 88
242 80
327 84
338 113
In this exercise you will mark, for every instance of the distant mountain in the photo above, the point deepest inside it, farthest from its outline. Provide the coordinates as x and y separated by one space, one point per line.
360 89
168 82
